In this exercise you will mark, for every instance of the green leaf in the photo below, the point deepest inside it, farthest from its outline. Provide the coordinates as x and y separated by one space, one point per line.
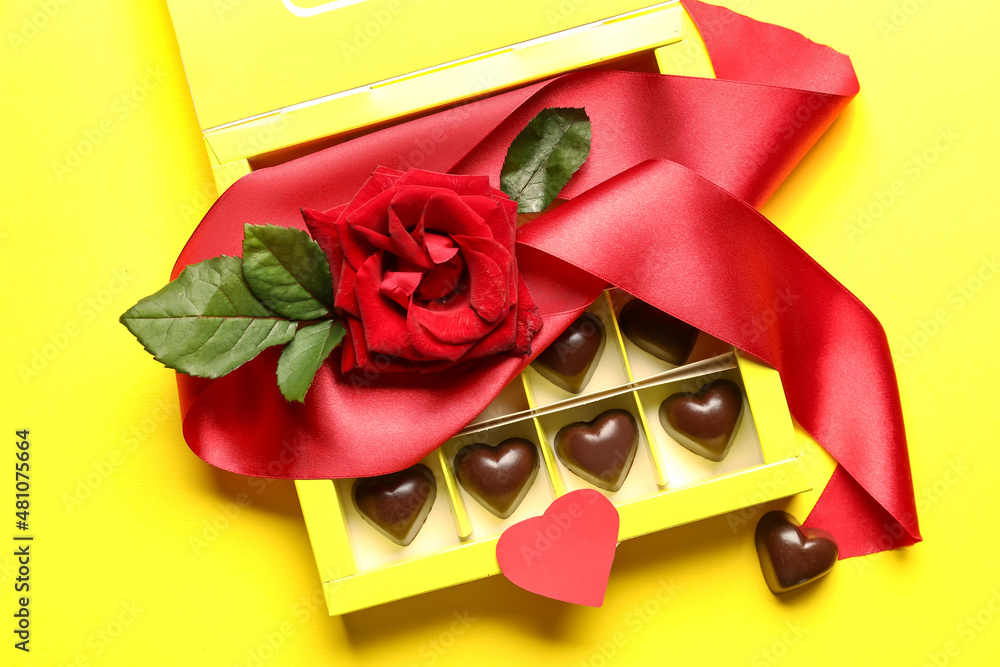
304 355
544 156
287 271
207 322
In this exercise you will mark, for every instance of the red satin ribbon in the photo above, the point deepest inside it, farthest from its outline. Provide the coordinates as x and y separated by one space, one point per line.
663 209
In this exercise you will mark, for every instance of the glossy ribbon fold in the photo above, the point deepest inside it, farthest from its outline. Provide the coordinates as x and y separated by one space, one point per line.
664 209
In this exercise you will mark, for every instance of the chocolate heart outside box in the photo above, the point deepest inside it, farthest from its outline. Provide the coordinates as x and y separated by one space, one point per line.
498 477
600 451
790 556
570 361
396 504
705 422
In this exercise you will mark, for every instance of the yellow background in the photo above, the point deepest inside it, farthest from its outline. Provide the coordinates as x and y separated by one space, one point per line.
146 555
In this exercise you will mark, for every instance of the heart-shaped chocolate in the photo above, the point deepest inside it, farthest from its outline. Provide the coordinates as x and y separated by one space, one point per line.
654 331
600 451
498 477
705 422
790 556
396 504
569 362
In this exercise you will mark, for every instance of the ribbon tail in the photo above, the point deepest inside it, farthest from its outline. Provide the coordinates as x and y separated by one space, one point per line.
696 251
862 525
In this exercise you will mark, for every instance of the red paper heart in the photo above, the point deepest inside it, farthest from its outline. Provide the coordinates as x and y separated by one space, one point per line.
566 553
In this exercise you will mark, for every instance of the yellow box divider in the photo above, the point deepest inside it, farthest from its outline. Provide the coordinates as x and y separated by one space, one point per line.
662 478
548 455
327 529
618 335
463 525
474 76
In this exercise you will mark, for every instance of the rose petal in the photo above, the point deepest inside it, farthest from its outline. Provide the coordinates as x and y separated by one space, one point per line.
409 202
430 345
384 323
376 239
388 171
501 339
446 212
374 213
355 251
443 279
399 285
345 299
489 276
455 324
322 228
461 184
353 346
529 321
497 217
440 248
406 245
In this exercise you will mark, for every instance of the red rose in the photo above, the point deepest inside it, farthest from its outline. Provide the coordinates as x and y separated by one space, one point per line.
424 271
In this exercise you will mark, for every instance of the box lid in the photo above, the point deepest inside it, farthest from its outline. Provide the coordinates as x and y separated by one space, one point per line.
246 58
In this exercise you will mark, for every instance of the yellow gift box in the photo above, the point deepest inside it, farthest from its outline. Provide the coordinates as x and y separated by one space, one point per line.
275 80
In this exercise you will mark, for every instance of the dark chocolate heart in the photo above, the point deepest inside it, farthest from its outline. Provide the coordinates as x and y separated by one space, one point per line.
652 330
600 451
569 362
790 556
396 504
498 477
705 422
